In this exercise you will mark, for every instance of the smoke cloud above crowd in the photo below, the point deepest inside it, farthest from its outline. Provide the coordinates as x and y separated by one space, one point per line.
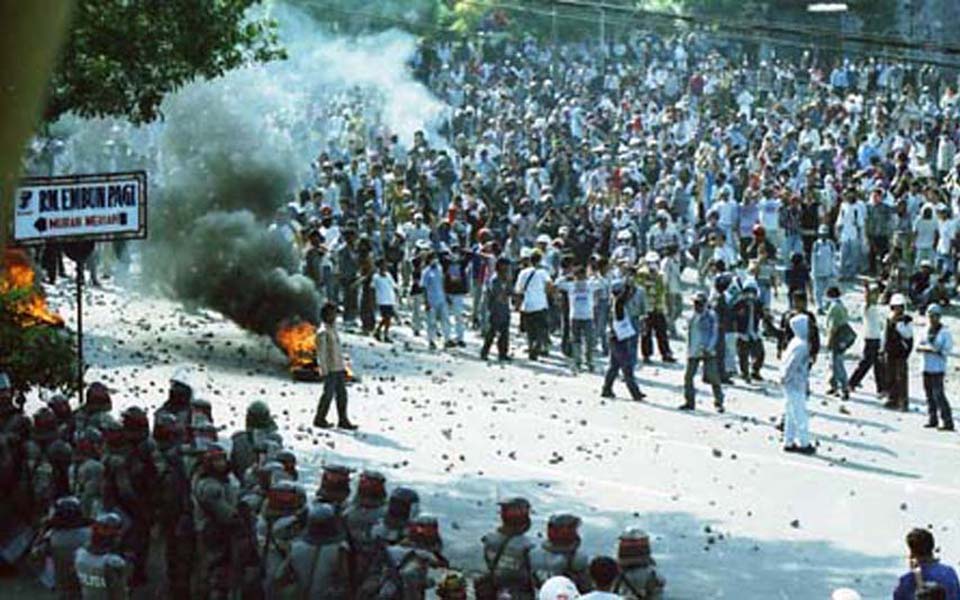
231 153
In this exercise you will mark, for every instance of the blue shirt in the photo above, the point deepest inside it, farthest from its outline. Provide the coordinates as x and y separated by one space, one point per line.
432 283
931 571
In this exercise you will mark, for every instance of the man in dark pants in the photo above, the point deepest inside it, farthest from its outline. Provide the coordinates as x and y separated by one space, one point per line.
496 311
935 347
872 330
332 367
897 347
702 334
348 267
533 287
798 300
747 315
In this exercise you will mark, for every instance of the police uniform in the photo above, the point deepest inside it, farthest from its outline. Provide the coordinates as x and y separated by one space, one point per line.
406 573
283 519
317 565
173 504
215 495
360 517
101 571
560 554
506 553
638 579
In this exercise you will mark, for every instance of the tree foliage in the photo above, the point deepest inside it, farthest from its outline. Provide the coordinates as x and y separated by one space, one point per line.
121 57
35 356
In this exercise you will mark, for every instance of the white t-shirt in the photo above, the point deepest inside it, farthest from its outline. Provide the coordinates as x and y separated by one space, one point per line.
580 295
385 289
948 231
535 281
926 230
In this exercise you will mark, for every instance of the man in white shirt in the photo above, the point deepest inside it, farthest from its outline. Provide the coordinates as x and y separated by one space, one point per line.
580 296
850 231
534 284
946 233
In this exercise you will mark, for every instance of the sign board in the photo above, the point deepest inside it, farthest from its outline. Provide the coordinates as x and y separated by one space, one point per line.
107 206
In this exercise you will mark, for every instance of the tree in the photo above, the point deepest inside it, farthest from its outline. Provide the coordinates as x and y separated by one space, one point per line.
121 57
36 355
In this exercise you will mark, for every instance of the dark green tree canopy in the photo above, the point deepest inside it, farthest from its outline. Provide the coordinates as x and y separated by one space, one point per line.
121 57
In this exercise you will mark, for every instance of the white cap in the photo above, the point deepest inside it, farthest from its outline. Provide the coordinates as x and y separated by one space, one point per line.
844 594
558 588
898 300
181 375
652 256
543 239
623 234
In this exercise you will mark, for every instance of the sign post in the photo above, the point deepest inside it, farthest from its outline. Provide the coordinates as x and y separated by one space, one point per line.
79 210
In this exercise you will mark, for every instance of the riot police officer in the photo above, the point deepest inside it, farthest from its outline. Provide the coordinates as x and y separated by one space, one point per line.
283 518
216 518
334 486
67 531
360 516
129 482
101 569
404 504
260 426
318 563
560 553
179 398
174 510
506 553
86 473
408 564
638 579
96 410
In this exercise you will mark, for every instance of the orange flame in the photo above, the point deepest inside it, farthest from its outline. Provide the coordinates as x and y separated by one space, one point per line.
299 341
18 274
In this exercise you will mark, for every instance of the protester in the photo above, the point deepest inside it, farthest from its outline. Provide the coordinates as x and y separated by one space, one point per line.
702 334
333 370
925 569
795 378
898 344
936 345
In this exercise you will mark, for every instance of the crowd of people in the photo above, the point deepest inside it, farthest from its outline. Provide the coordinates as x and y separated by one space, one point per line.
576 184
87 496
573 184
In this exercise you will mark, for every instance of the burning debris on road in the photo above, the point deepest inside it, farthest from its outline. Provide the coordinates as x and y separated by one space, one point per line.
19 275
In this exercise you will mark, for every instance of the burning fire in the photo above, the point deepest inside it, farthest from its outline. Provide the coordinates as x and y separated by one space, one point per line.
299 342
18 274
